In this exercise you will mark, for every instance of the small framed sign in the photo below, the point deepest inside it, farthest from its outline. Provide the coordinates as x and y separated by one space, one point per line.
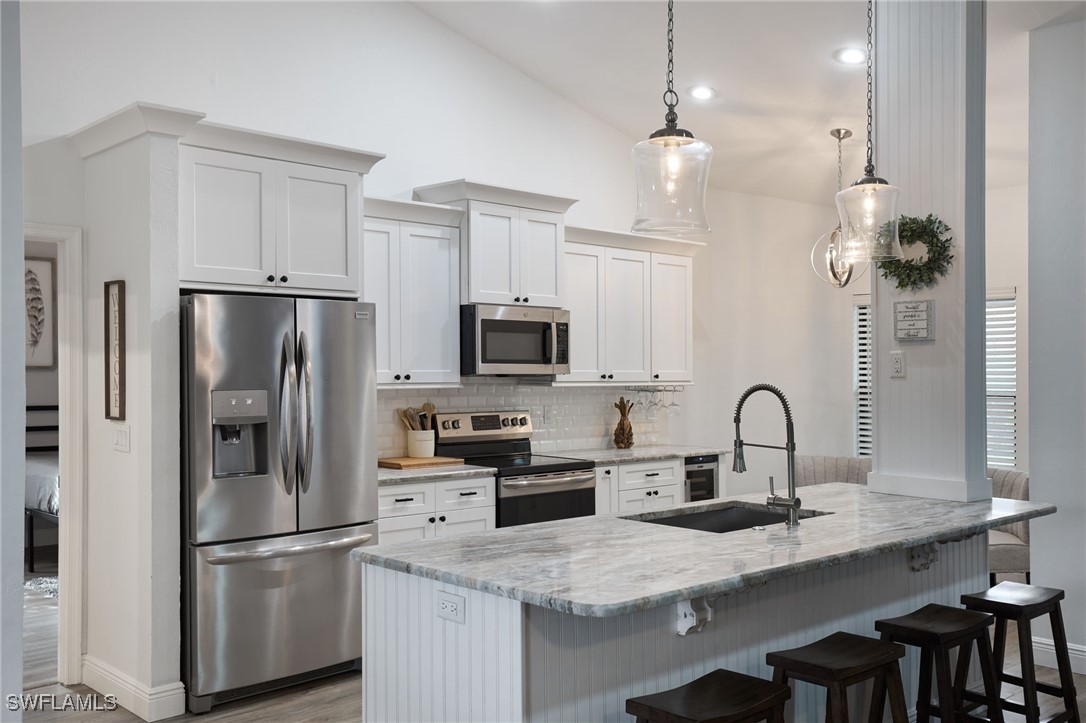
115 354
914 320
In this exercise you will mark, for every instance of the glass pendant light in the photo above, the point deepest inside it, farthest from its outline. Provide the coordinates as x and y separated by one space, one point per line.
868 208
671 168
827 255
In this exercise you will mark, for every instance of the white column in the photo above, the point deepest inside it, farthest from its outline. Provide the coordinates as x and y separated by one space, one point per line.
1057 321
930 426
12 354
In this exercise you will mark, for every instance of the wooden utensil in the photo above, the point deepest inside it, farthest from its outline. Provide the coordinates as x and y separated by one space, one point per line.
418 462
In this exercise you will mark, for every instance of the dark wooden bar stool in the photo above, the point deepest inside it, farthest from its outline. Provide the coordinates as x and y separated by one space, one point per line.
722 696
1022 603
843 659
936 630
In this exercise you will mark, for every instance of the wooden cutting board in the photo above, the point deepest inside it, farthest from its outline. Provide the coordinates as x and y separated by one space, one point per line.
417 462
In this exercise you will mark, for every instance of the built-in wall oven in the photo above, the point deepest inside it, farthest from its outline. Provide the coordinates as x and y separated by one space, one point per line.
530 487
513 340
702 478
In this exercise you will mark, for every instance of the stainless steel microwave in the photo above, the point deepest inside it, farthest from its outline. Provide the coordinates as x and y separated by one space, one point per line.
513 340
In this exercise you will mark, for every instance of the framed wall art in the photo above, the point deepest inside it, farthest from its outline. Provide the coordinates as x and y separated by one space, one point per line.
115 353
40 283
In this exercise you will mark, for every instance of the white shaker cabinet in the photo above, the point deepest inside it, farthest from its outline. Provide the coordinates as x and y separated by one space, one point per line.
411 272
672 318
627 319
247 221
585 279
651 498
606 486
441 508
514 256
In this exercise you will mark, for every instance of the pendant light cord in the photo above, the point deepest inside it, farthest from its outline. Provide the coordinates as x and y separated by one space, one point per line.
839 165
869 169
671 98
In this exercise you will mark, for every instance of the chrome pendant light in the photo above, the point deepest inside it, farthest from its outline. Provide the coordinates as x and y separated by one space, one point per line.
827 254
868 208
671 168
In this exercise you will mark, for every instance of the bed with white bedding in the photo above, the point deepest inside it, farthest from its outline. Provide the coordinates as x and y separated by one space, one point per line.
42 501
43 481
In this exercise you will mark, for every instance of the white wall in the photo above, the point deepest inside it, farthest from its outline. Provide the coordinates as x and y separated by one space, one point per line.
388 78
1057 275
12 359
1006 256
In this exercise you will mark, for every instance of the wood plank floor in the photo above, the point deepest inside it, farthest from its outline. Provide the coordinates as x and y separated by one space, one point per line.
40 625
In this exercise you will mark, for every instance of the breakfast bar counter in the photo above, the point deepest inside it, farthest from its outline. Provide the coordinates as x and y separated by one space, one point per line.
565 620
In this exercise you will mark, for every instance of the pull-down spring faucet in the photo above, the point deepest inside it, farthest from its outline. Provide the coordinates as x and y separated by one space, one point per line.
739 465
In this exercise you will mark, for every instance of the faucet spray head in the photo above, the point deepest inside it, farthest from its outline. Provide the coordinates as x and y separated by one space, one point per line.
739 464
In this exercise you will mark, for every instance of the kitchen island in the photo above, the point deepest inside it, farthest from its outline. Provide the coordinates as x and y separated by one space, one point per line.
563 621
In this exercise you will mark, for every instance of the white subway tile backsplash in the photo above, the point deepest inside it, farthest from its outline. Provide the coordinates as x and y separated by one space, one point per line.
564 418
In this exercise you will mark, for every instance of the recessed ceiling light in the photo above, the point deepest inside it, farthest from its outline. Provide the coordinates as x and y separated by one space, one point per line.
850 56
702 92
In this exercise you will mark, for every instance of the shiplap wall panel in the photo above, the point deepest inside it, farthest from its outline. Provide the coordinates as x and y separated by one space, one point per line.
513 662
929 121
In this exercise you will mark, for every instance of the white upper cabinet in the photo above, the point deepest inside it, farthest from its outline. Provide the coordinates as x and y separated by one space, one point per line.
513 243
672 318
627 317
585 279
411 272
279 214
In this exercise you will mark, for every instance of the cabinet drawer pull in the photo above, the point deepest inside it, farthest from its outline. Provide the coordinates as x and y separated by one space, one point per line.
468 494
652 474
405 499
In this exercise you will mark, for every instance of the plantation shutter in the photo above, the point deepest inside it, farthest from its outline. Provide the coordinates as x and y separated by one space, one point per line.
863 364
1001 350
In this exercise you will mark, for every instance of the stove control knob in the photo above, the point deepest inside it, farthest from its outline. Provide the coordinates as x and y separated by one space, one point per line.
524 421
456 424
505 421
446 424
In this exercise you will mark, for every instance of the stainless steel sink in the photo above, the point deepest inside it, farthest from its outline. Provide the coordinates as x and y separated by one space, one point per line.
729 517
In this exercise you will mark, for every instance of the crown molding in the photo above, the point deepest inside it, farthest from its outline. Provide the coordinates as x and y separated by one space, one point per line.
465 190
131 122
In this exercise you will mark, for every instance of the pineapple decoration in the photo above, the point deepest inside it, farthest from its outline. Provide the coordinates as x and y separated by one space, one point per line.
623 430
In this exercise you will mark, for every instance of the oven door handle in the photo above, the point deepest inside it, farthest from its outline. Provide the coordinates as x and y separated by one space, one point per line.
514 483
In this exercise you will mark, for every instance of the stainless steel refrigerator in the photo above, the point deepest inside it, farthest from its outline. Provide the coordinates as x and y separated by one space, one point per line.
279 483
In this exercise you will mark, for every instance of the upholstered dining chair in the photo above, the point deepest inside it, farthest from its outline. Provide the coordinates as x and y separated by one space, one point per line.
1008 546
816 470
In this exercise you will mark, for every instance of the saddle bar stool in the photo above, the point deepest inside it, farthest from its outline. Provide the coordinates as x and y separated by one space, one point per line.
722 696
841 660
936 630
1022 603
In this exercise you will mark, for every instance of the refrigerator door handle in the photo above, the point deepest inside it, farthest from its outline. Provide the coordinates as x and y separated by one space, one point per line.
236 557
288 410
305 430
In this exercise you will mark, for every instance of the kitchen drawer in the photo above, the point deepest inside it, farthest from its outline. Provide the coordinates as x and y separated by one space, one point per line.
650 498
406 528
460 522
650 474
410 499
462 494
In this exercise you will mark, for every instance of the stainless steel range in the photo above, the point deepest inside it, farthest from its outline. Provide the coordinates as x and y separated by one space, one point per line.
531 487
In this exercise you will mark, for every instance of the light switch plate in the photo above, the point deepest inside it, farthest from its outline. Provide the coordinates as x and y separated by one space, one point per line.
122 438
897 365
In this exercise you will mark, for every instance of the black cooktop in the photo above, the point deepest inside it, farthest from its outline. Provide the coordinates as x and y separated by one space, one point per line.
522 464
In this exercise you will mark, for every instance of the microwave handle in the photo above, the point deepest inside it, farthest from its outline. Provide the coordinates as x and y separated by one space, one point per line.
549 332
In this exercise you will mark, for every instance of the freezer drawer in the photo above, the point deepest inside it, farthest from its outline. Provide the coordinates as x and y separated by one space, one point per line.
262 610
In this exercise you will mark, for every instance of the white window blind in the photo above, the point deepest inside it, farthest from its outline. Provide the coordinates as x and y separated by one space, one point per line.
863 382
1001 350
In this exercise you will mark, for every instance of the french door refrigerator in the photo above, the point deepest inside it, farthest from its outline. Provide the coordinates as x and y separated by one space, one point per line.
279 483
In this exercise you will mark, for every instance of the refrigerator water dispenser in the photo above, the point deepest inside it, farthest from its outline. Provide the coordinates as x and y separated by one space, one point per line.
239 421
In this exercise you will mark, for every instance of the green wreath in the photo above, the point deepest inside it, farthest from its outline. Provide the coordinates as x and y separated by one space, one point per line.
915 274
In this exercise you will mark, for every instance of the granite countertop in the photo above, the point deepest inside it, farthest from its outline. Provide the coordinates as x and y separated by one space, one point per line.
605 565
426 474
636 453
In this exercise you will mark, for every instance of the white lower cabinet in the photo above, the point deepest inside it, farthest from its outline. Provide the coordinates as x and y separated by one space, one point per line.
639 486
441 508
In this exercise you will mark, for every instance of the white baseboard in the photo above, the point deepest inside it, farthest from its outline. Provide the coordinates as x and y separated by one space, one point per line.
956 490
150 704
1044 653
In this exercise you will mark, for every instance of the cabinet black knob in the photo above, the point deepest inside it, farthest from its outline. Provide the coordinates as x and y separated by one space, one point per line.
525 299
607 471
656 492
517 299
603 376
655 376
610 376
397 377
283 278
271 277
407 377
442 518
649 493
432 520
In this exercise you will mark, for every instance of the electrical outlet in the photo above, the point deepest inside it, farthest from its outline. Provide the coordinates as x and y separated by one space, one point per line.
897 365
122 438
450 606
